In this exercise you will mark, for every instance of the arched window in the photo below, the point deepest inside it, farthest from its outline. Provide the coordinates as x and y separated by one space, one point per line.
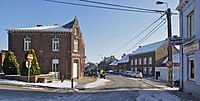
55 44
27 44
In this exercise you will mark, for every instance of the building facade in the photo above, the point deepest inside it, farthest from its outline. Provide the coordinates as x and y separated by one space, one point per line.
189 15
59 49
146 58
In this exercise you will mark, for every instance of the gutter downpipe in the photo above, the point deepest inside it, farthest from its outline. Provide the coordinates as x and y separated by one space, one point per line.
182 55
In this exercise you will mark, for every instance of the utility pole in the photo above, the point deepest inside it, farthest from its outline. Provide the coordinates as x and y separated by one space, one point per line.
169 30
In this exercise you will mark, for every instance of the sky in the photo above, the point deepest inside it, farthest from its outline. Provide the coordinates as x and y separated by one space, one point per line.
106 32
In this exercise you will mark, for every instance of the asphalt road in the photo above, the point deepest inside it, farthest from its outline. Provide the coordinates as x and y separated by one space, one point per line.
118 89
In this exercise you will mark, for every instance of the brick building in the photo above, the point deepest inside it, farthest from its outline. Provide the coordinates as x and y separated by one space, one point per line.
147 57
59 49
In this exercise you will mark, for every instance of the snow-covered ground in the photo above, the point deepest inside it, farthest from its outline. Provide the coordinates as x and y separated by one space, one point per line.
98 82
58 84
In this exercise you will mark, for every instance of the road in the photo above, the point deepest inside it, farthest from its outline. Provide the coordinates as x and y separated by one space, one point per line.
118 89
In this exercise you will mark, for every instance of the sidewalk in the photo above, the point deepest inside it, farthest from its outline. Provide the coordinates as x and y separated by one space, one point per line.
182 95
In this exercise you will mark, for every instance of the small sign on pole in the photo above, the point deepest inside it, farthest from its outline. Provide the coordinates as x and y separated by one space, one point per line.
30 57
28 65
169 63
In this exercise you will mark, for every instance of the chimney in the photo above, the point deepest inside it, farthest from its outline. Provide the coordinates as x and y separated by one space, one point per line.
39 25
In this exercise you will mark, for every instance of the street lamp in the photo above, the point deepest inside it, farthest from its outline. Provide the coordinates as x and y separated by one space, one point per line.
161 2
169 31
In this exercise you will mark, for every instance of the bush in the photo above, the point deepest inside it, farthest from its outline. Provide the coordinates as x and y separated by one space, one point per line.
34 69
10 64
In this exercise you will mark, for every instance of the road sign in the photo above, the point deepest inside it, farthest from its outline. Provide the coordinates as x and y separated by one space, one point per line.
30 57
169 63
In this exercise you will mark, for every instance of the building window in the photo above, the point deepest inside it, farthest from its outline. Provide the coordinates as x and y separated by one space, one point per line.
75 45
144 70
76 31
149 60
27 44
190 19
55 65
140 61
144 61
131 61
150 70
55 44
191 71
135 61
136 69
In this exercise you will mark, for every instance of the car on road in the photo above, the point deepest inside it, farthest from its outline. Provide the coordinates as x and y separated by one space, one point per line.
138 75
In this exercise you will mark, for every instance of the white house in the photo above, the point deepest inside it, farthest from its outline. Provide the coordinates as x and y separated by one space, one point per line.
189 15
162 72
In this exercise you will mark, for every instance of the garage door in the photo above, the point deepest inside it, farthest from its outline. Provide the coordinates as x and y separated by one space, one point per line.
75 70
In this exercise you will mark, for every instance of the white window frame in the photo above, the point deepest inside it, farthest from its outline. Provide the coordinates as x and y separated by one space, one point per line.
190 23
55 44
144 60
131 62
191 69
149 60
135 61
27 44
76 32
55 65
140 61
144 70
150 70
76 47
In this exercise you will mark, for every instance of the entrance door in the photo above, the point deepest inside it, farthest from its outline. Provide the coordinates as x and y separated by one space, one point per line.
55 68
75 68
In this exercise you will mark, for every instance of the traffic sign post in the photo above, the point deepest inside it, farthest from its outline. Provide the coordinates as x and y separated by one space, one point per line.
170 64
28 64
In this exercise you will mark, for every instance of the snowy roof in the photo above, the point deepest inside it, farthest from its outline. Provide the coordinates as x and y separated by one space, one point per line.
148 48
124 59
114 63
54 27
175 58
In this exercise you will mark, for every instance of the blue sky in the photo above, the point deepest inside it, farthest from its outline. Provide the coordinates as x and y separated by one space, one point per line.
104 31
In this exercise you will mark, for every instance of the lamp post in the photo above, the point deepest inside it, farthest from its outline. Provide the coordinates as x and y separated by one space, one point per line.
169 31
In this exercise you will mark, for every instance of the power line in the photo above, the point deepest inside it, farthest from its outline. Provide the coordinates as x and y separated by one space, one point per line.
110 8
123 33
122 6
139 34
148 35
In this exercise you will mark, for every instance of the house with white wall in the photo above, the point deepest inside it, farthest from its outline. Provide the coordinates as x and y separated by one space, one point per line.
189 16
162 71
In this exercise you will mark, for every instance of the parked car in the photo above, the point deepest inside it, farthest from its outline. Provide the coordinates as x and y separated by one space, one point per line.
139 75
110 71
123 73
128 73
132 74
94 72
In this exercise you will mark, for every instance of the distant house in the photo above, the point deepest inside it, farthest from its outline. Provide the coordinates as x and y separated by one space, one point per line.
59 49
104 64
162 70
146 58
113 65
122 64
189 18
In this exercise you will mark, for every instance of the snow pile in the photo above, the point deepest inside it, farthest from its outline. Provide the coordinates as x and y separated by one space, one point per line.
98 82
57 84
